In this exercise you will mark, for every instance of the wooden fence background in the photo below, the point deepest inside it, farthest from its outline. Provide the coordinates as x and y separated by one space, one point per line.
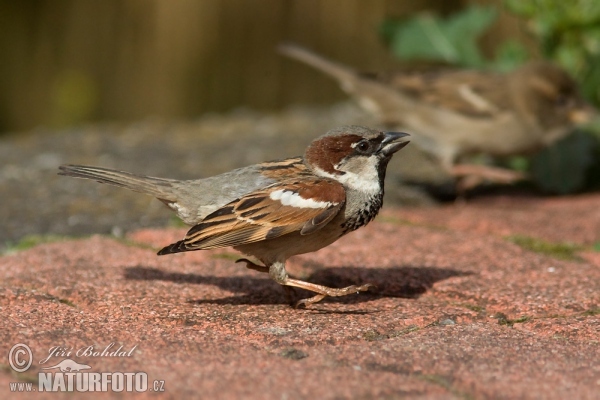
65 62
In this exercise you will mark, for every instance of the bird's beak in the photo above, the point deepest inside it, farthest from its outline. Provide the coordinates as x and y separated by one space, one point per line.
583 115
392 143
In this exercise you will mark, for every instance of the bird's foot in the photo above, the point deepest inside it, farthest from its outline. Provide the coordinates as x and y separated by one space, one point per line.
472 175
324 291
288 284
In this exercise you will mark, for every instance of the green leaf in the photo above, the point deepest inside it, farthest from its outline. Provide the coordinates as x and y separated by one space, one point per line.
465 28
569 57
518 163
510 55
521 7
421 38
430 37
590 83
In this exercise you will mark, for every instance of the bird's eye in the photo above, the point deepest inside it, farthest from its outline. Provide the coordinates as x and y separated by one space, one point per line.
363 146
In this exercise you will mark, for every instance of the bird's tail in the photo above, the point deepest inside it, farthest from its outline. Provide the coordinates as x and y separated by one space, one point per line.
176 247
380 99
157 187
340 72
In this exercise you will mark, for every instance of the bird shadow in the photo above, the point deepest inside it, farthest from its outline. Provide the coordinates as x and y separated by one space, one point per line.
397 281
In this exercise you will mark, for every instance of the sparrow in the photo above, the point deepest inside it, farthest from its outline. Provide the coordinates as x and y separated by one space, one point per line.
453 114
277 209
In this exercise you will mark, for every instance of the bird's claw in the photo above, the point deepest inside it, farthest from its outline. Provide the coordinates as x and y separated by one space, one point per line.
253 266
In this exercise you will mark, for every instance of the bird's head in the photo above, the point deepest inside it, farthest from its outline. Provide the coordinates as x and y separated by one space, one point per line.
551 96
355 156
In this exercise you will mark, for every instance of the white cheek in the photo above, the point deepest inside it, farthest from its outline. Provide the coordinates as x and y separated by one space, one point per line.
366 179
289 198
368 184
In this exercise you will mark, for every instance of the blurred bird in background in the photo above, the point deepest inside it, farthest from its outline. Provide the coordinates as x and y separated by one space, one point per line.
454 114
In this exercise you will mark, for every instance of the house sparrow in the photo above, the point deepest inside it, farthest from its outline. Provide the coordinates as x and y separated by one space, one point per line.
454 114
277 209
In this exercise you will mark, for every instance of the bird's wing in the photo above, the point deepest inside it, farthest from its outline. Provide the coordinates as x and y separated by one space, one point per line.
469 92
303 206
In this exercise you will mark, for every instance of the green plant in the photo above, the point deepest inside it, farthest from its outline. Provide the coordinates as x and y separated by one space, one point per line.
563 251
430 37
568 33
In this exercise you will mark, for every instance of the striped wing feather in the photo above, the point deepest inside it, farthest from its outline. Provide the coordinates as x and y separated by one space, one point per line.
296 206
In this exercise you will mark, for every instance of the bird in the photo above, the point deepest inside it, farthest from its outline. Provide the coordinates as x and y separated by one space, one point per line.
277 209
453 114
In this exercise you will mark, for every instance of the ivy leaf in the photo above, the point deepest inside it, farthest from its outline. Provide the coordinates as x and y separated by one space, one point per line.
430 37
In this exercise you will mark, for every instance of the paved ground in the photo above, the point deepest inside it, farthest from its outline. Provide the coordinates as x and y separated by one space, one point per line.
499 298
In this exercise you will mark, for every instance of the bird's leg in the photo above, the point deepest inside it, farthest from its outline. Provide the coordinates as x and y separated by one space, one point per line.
278 273
289 291
473 174
464 184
